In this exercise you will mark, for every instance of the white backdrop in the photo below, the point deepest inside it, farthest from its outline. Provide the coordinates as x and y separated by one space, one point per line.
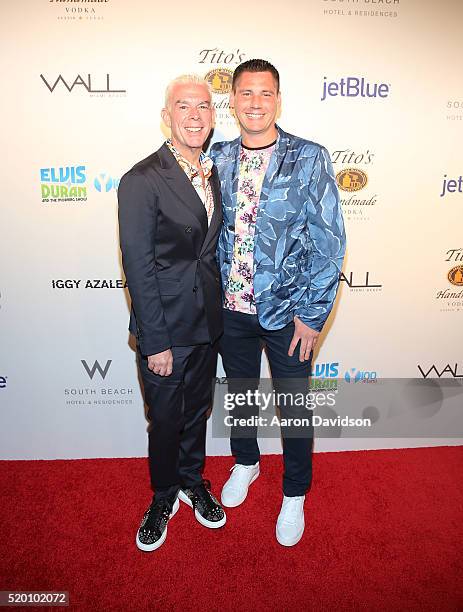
83 88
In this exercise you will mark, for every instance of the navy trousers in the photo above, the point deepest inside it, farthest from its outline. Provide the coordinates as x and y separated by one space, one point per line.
177 411
241 350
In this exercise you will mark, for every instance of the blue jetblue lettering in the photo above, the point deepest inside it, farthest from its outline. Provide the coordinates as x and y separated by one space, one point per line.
452 185
352 87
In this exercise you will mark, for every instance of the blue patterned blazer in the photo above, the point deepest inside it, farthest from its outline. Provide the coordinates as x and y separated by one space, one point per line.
299 240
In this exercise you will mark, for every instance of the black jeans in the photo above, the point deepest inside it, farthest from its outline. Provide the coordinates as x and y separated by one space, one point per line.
241 350
177 411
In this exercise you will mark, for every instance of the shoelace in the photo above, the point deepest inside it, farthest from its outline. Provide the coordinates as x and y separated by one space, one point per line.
202 491
292 509
158 511
240 471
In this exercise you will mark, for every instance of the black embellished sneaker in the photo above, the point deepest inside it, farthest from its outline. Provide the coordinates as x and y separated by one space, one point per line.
153 529
207 509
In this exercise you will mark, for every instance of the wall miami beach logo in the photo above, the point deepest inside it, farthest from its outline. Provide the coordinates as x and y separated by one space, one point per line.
63 185
87 84
354 87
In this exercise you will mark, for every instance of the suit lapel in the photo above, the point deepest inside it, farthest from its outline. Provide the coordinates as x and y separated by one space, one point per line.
181 186
216 219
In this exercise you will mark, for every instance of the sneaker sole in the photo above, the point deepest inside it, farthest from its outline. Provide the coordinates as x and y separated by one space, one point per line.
236 504
162 539
292 542
211 524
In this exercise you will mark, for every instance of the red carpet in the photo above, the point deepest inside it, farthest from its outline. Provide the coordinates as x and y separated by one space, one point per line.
384 532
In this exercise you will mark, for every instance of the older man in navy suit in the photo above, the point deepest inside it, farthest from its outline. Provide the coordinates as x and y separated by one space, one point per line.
170 217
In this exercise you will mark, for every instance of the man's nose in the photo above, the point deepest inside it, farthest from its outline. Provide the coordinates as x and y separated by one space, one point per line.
193 114
256 101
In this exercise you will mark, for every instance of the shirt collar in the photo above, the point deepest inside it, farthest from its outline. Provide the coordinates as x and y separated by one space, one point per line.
190 170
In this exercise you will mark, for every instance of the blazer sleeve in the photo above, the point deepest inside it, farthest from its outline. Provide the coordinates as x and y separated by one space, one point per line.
137 231
327 234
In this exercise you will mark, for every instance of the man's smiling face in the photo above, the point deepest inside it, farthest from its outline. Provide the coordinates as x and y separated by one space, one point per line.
256 100
189 115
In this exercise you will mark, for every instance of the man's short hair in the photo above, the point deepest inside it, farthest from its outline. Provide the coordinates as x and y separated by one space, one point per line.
184 79
255 65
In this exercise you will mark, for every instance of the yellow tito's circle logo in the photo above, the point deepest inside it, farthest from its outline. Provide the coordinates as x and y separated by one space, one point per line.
351 179
220 80
455 276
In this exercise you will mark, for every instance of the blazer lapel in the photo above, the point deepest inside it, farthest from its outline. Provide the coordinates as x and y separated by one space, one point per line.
181 186
216 220
274 169
230 178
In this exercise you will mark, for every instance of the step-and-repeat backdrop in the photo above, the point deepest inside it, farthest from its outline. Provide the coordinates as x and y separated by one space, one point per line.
378 82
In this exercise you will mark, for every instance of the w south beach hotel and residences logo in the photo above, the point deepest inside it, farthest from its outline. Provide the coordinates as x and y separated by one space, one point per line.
66 184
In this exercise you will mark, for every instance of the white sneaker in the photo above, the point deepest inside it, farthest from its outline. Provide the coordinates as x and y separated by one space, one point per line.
290 523
235 490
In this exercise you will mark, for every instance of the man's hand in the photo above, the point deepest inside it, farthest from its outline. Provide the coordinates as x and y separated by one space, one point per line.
161 363
308 338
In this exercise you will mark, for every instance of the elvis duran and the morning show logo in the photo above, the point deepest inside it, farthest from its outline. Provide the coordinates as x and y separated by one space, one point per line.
95 86
69 184
450 298
354 87
352 168
451 186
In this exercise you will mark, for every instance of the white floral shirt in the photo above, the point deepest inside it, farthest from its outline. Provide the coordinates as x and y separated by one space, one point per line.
239 293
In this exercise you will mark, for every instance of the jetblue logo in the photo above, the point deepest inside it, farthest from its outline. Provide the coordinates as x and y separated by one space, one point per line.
96 367
452 185
354 87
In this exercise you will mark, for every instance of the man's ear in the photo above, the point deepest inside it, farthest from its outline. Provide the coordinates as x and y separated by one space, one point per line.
166 117
232 100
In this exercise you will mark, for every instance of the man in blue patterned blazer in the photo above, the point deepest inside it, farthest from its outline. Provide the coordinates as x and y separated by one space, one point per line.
280 254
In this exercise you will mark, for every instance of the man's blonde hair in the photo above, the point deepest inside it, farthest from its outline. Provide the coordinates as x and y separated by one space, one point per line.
183 79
